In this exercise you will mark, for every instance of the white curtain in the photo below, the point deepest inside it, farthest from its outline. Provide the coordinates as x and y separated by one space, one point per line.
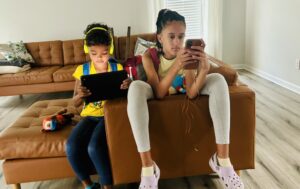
214 30
157 5
194 13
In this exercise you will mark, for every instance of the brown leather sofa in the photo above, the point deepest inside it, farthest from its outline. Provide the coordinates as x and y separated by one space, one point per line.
52 72
55 63
181 132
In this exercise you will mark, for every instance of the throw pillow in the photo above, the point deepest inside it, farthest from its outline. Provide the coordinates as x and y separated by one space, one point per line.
21 52
18 62
13 69
2 57
142 45
15 51
6 52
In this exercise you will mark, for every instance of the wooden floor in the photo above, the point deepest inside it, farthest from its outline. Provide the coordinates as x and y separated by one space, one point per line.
277 141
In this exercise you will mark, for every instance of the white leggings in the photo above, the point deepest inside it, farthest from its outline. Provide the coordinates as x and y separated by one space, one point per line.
219 106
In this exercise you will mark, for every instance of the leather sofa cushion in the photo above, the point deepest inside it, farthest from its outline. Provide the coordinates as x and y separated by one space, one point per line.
48 53
24 138
35 75
73 52
64 73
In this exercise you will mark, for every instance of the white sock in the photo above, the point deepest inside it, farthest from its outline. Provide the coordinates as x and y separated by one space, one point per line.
224 162
148 171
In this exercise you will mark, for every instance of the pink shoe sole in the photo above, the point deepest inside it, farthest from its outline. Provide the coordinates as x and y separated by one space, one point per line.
229 178
150 182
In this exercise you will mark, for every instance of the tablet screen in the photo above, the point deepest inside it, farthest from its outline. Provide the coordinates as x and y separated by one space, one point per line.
104 86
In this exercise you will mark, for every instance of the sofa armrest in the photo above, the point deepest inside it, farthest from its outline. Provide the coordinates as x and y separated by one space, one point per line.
230 74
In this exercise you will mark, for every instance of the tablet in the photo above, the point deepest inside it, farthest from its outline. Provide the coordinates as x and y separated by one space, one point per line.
104 86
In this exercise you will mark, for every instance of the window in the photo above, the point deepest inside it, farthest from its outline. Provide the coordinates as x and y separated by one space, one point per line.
195 13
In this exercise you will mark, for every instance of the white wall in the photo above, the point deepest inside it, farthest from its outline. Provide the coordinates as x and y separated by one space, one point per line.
234 12
262 35
273 40
42 20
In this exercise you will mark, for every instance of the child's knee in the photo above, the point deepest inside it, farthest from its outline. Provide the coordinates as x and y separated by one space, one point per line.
217 77
96 148
138 89
136 86
216 81
71 147
92 150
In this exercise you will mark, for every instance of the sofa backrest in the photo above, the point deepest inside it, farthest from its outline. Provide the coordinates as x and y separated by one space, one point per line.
73 52
47 53
70 52
133 38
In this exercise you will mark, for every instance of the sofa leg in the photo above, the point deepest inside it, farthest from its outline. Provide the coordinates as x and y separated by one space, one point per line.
21 97
16 186
238 172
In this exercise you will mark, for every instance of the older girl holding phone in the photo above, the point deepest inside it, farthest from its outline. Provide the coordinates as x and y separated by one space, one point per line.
174 58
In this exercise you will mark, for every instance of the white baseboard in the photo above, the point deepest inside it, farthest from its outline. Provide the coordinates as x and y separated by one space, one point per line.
267 76
238 66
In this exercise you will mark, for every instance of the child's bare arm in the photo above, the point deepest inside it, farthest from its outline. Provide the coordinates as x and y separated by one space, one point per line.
161 87
80 92
195 83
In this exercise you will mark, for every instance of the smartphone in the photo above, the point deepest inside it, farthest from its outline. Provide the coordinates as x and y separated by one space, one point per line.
194 42
188 44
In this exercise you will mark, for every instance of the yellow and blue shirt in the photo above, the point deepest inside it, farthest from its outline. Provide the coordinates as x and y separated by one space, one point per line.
95 109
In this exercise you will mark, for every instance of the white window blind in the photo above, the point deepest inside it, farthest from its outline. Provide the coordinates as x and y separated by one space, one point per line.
195 13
